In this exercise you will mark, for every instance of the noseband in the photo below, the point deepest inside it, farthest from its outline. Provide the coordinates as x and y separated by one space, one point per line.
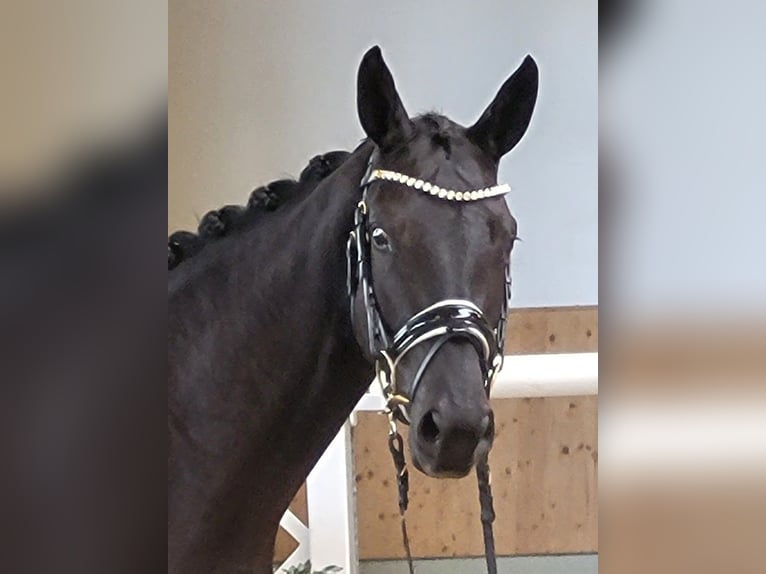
437 324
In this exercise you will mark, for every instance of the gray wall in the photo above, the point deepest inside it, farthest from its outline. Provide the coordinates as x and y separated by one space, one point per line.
257 88
570 564
684 124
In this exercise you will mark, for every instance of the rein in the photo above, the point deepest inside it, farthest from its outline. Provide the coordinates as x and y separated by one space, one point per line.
434 325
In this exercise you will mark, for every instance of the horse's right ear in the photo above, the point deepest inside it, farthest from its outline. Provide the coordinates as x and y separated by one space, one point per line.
381 112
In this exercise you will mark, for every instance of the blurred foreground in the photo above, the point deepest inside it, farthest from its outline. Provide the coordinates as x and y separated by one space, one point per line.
83 185
683 375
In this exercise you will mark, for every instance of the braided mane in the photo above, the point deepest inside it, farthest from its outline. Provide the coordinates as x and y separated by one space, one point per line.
231 219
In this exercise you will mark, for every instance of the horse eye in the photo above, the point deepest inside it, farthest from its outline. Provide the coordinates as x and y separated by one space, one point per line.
380 239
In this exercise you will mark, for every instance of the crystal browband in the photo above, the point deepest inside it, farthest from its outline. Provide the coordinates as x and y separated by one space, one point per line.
435 190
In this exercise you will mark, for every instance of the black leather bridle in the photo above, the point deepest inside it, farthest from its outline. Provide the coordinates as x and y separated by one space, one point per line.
438 323
435 325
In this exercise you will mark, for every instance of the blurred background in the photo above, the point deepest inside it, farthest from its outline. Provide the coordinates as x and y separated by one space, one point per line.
682 406
83 183
77 76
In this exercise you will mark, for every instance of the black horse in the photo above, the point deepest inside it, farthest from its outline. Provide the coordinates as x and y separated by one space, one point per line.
267 359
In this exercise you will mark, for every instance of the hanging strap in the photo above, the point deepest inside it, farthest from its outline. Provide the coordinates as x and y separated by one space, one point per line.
487 512
396 446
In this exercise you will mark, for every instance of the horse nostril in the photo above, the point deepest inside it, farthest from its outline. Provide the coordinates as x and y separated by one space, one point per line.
429 431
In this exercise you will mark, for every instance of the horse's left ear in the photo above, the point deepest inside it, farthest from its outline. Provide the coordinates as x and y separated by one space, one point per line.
506 119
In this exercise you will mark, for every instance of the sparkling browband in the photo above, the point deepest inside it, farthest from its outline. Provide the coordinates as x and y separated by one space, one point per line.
436 191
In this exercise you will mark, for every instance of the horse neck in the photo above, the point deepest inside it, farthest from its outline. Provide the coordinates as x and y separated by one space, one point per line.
264 367
319 364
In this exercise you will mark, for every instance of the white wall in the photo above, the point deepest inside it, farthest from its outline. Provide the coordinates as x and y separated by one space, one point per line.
685 120
257 88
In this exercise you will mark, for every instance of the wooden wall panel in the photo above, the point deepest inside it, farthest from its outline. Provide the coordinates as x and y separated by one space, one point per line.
543 478
543 467
552 330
